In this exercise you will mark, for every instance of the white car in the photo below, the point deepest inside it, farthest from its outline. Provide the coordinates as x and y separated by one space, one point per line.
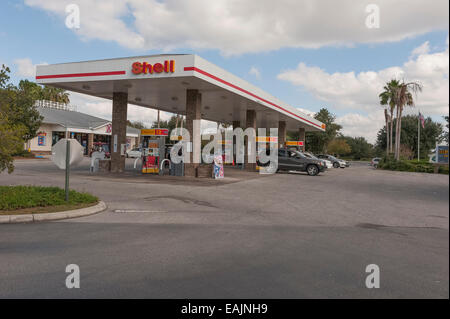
327 162
134 153
336 161
375 161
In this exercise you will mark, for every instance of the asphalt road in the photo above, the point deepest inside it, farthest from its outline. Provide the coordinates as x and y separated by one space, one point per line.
249 236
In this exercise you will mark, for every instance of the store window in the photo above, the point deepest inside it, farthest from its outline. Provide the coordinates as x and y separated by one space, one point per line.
56 136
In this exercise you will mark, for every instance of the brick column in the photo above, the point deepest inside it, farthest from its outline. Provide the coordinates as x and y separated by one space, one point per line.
193 112
90 143
250 121
119 129
273 125
235 150
301 137
262 132
281 134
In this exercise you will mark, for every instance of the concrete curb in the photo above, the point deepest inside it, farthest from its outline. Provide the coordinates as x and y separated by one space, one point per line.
28 218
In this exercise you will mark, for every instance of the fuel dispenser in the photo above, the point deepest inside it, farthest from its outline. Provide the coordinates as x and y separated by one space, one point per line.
153 149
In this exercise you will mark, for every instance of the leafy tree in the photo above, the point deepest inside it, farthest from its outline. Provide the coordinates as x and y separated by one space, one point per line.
444 136
173 122
38 92
136 124
317 142
339 146
54 94
429 135
4 77
12 132
32 89
19 105
19 118
11 141
360 148
406 152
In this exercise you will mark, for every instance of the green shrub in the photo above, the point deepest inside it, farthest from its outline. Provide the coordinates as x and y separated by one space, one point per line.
422 166
17 197
443 170
23 153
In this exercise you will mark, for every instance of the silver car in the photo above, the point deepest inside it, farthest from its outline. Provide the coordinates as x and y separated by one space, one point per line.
134 153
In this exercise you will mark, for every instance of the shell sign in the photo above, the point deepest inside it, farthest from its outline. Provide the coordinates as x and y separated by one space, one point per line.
144 67
155 132
294 143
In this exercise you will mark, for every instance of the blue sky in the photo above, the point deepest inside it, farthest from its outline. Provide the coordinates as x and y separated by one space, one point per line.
36 31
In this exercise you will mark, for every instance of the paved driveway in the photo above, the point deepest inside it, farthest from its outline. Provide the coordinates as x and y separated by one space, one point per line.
280 236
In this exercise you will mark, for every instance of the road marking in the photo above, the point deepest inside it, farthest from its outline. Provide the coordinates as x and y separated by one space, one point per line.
138 211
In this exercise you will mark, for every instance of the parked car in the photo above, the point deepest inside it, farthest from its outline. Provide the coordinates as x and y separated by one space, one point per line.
134 153
328 163
290 160
375 162
336 161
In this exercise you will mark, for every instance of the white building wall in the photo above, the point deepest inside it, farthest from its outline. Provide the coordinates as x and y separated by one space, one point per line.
46 132
47 129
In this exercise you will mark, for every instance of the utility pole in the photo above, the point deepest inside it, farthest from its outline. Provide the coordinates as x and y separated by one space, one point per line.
158 118
67 169
66 188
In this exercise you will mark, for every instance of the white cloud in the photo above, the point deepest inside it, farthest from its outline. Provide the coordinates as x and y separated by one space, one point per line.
307 112
358 92
255 72
423 49
235 27
99 19
26 68
359 125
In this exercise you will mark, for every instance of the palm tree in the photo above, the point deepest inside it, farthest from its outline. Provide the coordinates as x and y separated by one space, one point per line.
55 95
386 117
403 97
388 97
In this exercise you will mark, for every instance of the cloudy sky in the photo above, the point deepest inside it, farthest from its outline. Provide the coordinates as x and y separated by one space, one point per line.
309 53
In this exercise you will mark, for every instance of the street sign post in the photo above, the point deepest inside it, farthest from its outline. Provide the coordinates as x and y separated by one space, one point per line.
65 153
66 188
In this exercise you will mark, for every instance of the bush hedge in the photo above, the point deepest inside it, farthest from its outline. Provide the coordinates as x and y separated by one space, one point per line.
23 153
17 197
443 170
422 166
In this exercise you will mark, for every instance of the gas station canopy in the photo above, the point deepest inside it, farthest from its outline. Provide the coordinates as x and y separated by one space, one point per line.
160 82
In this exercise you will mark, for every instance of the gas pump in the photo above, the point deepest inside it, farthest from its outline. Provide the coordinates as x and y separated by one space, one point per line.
153 149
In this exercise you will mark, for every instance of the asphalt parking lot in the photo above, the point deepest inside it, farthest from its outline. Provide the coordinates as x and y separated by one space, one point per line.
248 236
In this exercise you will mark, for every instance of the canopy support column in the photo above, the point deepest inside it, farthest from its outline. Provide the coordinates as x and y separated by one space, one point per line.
193 117
301 137
281 134
119 130
250 146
